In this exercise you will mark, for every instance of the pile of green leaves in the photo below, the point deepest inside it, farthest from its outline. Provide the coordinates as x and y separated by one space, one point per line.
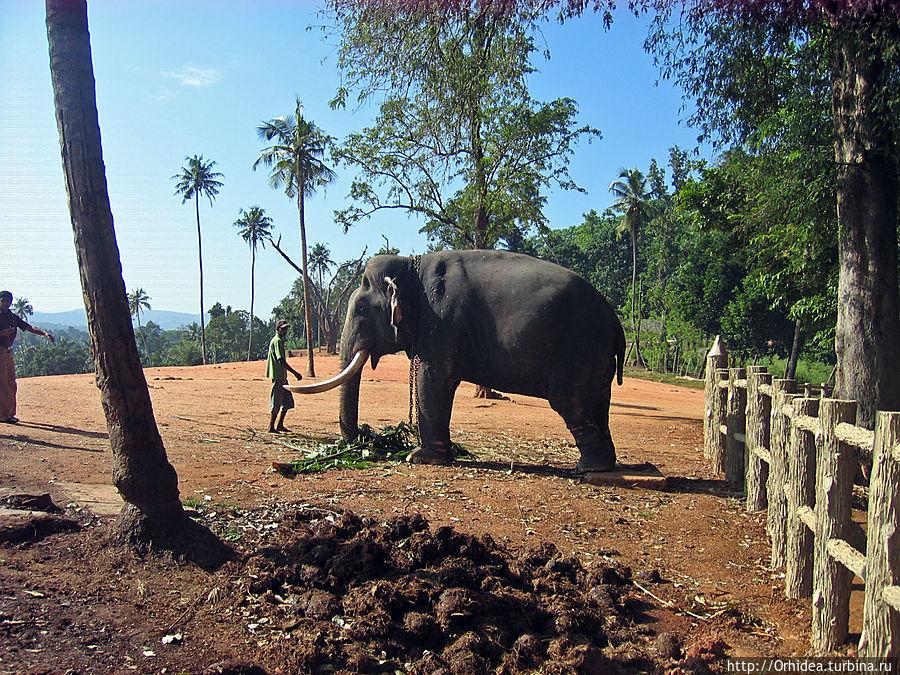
392 443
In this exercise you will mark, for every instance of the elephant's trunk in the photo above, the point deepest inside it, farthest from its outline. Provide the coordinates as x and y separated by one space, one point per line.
349 397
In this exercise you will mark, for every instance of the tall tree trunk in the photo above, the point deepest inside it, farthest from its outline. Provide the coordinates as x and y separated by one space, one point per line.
635 325
790 367
868 322
200 258
153 515
310 363
252 293
480 217
141 331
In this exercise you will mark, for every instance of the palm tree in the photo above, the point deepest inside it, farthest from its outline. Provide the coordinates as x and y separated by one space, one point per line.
295 157
138 301
633 202
320 262
256 229
22 308
195 179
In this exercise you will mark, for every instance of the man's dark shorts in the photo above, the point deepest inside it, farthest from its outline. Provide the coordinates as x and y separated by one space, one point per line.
280 398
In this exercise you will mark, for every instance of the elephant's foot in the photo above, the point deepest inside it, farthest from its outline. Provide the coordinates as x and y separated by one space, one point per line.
595 465
597 450
430 456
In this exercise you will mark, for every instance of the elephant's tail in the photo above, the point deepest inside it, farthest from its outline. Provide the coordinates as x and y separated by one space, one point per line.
620 356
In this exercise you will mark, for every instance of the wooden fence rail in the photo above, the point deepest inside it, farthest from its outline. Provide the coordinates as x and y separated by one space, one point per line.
796 455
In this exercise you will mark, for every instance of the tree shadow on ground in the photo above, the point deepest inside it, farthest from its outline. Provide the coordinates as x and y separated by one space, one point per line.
706 486
63 430
21 438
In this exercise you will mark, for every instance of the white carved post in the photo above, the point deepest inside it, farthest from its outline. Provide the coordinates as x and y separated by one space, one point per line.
780 439
881 624
759 413
834 489
736 421
801 493
712 437
720 408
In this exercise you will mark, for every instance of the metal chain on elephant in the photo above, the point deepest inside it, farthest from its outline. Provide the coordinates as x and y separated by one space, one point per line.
414 365
413 389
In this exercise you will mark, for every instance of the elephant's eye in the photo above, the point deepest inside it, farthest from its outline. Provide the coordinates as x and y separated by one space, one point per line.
365 283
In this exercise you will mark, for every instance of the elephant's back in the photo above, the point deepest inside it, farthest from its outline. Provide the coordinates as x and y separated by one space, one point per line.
515 308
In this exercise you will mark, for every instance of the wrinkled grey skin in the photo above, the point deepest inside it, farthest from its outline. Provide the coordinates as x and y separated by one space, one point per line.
503 320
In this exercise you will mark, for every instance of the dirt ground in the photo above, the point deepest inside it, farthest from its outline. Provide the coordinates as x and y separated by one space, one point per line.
681 567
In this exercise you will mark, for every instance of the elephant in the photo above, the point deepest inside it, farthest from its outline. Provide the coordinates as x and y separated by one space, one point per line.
503 320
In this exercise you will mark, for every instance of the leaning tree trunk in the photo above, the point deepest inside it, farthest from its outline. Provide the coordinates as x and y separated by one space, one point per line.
790 367
635 300
480 220
310 363
868 322
153 515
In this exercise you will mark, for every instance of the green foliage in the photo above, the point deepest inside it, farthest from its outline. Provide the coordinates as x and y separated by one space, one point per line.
752 326
138 302
808 370
329 298
705 265
591 250
154 344
197 178
254 227
458 140
185 352
227 336
66 357
295 155
390 444
22 308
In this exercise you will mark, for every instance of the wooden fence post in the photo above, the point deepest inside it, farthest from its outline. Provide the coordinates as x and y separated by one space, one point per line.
736 421
801 493
780 439
880 634
712 437
834 488
759 413
720 407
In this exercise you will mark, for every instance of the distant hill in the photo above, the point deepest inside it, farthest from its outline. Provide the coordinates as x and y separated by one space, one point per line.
78 319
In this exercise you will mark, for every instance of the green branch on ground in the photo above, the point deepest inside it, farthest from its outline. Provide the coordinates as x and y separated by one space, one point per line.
391 444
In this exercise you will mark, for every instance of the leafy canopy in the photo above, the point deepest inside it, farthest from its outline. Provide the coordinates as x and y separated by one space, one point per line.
458 139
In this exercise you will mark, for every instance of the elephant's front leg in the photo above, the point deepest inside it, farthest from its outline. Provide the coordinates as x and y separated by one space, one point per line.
434 397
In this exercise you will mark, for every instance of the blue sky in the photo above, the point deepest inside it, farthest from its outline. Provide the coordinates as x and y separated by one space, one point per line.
178 78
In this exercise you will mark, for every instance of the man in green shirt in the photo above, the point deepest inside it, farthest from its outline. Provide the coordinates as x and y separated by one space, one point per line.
277 369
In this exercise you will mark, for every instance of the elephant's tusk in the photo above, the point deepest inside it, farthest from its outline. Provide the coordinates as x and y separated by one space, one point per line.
358 360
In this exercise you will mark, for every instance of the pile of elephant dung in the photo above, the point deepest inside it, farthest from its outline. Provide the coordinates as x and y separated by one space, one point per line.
335 592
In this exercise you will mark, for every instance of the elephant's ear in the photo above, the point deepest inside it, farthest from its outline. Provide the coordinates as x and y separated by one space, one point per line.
396 309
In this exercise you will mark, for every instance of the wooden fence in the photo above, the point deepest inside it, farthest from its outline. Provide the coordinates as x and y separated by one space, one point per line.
796 454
